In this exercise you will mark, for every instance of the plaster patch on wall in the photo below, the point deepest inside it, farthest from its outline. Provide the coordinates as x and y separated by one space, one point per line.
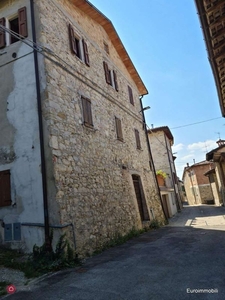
7 155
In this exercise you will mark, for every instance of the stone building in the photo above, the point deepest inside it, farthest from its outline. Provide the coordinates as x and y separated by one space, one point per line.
73 151
217 174
197 186
161 141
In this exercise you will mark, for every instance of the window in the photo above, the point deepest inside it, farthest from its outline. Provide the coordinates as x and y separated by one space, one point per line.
130 95
119 129
2 34
137 136
87 114
14 26
5 190
107 73
78 46
106 47
18 24
110 76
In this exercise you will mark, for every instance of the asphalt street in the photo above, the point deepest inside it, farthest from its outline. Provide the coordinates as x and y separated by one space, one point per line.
183 260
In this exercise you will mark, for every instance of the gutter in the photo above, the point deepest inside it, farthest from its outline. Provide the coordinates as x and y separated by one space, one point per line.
151 163
41 134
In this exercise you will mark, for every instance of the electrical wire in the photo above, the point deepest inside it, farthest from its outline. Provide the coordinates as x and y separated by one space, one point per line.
69 68
197 123
39 48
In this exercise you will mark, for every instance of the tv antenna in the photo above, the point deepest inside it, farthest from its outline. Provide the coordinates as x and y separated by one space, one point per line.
218 134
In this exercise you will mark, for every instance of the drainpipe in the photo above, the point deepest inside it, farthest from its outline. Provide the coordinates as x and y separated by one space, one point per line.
151 163
41 135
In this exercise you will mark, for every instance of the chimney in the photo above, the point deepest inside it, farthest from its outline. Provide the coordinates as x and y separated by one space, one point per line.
220 142
188 165
152 126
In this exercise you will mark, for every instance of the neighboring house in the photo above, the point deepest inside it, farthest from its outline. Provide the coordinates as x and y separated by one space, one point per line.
73 151
197 186
181 190
217 174
212 19
161 140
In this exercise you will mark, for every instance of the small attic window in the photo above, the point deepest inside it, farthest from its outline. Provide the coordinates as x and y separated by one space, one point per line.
106 47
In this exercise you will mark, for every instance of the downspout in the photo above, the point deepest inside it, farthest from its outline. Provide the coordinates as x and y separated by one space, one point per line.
41 135
151 163
171 171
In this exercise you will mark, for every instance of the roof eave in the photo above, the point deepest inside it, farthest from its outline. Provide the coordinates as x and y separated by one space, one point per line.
206 34
90 10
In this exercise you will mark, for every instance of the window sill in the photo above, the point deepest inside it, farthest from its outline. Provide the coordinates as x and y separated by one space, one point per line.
90 127
120 140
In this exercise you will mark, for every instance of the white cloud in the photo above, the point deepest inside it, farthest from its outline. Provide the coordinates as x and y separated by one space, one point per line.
202 146
187 157
180 169
193 153
178 147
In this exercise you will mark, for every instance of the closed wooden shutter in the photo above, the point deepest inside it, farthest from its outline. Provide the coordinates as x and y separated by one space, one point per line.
119 129
115 81
73 42
2 34
87 112
107 73
137 136
86 55
22 14
5 190
130 95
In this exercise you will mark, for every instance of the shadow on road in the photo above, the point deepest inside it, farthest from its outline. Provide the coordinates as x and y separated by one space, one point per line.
163 264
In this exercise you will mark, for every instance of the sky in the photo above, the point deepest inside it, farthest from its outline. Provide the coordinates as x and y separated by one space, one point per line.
165 42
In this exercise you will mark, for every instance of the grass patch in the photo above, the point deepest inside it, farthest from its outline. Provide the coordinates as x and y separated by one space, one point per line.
119 240
155 224
40 261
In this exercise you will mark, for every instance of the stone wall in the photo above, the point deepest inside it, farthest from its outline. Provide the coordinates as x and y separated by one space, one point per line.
92 169
206 193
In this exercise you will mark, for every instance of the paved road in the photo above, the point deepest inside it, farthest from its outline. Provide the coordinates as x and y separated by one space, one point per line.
173 262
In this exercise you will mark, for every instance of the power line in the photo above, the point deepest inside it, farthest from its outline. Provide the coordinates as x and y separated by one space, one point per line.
196 123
